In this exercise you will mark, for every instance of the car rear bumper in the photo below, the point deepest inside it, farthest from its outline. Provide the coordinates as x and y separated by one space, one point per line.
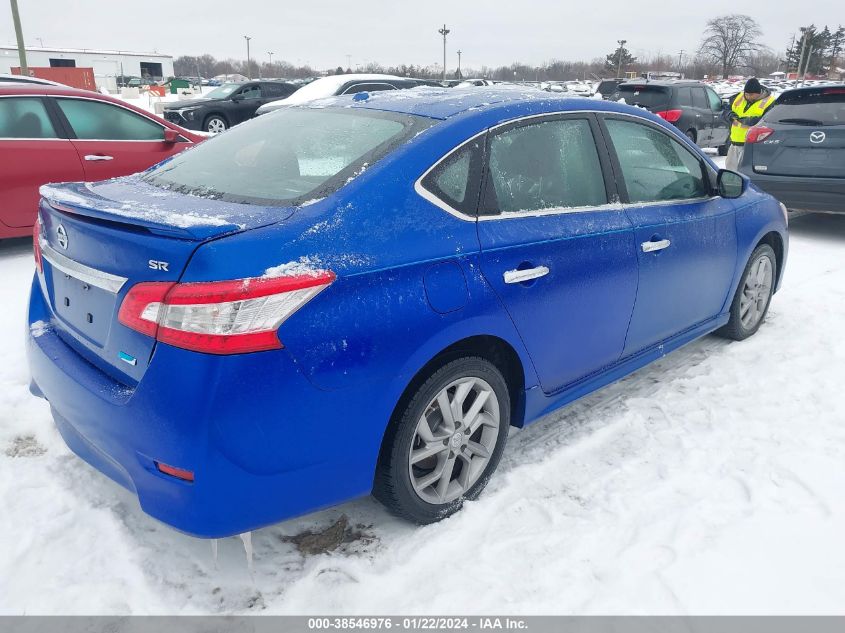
263 443
822 195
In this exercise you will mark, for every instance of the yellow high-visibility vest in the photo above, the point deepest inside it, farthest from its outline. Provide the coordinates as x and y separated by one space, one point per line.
749 114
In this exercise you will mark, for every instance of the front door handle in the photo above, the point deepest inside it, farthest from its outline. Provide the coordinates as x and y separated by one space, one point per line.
650 247
98 157
526 274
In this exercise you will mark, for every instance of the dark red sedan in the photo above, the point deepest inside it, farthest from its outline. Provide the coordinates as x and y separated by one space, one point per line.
60 134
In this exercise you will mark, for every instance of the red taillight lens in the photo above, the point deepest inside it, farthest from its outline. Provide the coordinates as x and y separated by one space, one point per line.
36 245
179 473
220 317
670 115
758 133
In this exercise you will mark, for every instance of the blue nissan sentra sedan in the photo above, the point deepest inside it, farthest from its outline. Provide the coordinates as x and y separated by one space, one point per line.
362 295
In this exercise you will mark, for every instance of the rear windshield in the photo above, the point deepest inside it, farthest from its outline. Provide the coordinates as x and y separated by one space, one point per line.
644 96
814 108
286 157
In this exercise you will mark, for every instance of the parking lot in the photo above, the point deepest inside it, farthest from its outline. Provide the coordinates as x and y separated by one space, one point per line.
709 482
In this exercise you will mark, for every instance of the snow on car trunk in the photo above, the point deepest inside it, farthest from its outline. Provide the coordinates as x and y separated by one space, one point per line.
710 482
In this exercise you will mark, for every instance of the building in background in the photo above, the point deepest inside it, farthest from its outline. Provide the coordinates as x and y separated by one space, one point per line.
107 65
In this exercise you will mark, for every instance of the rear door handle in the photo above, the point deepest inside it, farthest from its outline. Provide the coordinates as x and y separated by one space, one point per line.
650 247
527 274
98 157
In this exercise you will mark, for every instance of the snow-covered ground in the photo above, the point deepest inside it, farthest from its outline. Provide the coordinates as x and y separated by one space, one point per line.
712 482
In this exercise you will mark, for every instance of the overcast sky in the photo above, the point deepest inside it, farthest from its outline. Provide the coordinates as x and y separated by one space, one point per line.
489 32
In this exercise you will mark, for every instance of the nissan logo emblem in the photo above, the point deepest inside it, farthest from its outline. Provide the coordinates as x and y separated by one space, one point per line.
817 137
61 236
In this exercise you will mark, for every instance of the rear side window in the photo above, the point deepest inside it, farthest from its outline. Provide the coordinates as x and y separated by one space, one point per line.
356 88
542 166
699 99
656 168
822 107
644 96
24 117
95 120
684 96
455 179
278 90
287 156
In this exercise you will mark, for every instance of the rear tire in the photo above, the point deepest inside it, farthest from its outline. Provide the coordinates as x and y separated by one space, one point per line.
753 295
455 425
692 135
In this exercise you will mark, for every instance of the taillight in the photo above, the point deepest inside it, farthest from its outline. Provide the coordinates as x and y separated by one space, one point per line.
758 133
220 317
179 473
670 115
36 244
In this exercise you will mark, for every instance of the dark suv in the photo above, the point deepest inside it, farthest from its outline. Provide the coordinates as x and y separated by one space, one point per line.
692 107
226 105
797 150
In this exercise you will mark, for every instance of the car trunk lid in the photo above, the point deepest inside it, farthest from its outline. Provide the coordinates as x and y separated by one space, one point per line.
807 138
99 240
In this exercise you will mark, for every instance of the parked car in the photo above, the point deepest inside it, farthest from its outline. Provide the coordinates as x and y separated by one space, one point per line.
55 134
364 296
468 83
607 87
797 151
343 85
690 106
226 105
25 79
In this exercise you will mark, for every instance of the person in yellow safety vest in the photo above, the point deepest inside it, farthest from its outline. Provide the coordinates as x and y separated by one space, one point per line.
746 110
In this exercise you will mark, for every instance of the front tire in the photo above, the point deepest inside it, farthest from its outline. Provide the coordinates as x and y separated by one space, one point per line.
753 295
215 124
445 443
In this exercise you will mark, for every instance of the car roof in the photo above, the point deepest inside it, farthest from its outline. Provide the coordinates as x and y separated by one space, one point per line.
444 103
663 83
816 88
33 88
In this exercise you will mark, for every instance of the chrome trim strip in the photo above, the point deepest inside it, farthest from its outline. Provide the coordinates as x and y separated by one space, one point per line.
92 276
610 206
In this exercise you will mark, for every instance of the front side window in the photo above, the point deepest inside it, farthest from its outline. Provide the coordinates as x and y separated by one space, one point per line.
543 166
95 120
287 156
655 167
715 101
24 117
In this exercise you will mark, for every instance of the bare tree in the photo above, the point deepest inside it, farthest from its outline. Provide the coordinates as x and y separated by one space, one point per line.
730 41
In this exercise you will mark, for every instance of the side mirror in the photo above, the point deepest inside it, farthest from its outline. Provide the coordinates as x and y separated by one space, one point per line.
238 97
170 136
730 184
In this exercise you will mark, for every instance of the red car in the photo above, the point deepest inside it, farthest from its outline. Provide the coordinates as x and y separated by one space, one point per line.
60 134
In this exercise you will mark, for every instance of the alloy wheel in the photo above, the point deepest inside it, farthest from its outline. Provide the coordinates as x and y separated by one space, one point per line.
215 126
756 292
454 440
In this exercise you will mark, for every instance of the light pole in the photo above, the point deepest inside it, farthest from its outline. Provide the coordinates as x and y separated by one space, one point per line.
16 18
458 75
444 32
349 62
619 63
248 69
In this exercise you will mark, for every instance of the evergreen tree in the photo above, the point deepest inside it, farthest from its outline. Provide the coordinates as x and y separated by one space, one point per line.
623 55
